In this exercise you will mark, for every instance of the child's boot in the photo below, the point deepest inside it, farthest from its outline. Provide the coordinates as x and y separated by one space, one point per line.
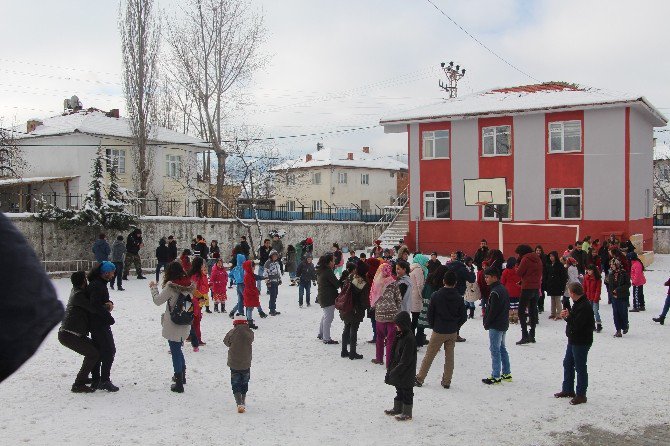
599 328
472 312
240 404
178 386
216 307
207 309
397 408
406 414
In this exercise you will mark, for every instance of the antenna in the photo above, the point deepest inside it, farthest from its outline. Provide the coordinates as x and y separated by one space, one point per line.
454 74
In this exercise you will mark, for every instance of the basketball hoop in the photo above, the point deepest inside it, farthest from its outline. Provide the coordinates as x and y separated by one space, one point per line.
481 203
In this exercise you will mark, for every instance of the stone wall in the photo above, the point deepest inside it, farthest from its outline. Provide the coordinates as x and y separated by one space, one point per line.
55 244
662 239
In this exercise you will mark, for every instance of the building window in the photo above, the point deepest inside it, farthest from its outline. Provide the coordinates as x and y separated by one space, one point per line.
173 166
316 178
290 179
565 203
316 205
496 140
365 178
342 178
116 159
565 136
435 144
365 205
290 205
437 205
506 210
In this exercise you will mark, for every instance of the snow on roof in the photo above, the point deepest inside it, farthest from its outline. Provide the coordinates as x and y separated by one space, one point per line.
661 152
96 122
329 156
34 180
524 98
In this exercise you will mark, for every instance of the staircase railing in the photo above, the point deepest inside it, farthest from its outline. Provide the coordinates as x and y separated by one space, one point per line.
388 218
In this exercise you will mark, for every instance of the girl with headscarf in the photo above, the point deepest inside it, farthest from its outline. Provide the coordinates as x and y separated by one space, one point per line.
417 275
619 282
373 264
385 297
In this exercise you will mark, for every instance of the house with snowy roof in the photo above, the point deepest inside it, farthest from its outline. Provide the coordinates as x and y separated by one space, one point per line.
576 161
59 152
339 178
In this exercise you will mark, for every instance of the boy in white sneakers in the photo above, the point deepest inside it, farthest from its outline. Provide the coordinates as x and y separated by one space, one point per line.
239 340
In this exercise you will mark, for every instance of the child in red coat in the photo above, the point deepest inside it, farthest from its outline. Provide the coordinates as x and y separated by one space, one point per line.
251 294
592 287
511 280
217 283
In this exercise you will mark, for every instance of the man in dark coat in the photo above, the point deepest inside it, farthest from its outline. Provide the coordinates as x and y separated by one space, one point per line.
31 306
496 321
579 330
581 257
133 245
481 254
402 368
360 297
172 249
101 324
101 248
201 248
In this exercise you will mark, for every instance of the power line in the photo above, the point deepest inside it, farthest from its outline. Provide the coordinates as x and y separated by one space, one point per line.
482 44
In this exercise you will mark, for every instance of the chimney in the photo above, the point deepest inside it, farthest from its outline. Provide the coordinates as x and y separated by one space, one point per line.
350 156
113 113
319 146
366 149
308 157
32 124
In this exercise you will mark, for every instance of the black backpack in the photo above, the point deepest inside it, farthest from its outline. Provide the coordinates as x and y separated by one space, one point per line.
179 314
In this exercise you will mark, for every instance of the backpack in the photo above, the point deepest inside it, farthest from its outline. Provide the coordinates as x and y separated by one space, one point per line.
345 301
179 314
472 292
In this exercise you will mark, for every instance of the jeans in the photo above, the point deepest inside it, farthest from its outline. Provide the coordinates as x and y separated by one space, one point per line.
575 361
404 394
385 333
540 301
239 380
596 310
620 313
528 307
250 312
666 307
195 341
160 265
239 308
178 361
85 347
118 275
436 341
291 275
638 296
326 322
304 287
104 341
261 271
499 354
273 287
350 336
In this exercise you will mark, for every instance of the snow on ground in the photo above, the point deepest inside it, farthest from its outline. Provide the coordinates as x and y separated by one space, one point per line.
303 393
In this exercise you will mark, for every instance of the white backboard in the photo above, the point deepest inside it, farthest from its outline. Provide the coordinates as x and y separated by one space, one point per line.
491 190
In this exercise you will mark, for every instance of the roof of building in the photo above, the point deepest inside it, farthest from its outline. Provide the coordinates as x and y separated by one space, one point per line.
329 156
96 122
34 180
548 96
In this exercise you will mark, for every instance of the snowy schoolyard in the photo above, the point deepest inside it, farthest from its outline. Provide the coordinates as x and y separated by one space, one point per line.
303 393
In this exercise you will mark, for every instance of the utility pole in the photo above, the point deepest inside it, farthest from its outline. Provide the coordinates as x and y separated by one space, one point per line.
453 76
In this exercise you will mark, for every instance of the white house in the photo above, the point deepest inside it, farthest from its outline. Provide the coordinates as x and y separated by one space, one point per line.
59 152
339 178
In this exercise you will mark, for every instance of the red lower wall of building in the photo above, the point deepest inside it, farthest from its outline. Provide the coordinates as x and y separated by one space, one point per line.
447 236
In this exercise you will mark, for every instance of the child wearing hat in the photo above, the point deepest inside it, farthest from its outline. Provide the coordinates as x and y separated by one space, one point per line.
239 340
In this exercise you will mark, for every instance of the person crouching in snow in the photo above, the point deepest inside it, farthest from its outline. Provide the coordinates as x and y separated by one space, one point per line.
217 283
402 368
239 340
251 294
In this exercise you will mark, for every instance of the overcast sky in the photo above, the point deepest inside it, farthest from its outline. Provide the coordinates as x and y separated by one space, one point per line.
334 65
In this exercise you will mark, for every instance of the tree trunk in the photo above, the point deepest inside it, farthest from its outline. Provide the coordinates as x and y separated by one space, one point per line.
221 156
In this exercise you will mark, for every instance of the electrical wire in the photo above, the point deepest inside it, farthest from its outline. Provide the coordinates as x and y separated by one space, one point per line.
482 44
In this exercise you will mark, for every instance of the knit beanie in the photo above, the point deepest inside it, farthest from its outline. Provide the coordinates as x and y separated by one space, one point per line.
107 267
239 319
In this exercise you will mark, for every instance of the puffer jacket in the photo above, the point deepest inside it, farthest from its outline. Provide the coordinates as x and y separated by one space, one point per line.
556 278
101 250
77 313
239 340
237 272
637 273
388 304
360 295
592 287
272 270
402 364
418 281
530 271
169 295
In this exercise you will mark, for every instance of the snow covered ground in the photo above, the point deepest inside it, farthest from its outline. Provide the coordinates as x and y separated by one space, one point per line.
303 393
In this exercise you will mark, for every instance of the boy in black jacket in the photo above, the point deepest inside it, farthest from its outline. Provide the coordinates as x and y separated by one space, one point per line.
402 368
496 321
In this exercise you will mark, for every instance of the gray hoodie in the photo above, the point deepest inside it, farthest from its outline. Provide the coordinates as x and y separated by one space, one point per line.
118 250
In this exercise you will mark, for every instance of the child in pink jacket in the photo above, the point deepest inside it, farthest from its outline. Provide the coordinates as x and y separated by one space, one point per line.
638 280
217 283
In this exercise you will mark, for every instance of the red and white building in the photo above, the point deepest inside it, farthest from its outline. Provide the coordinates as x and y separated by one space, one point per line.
576 158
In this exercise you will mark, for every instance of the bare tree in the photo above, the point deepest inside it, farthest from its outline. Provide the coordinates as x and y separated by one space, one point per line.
215 49
12 163
662 184
140 41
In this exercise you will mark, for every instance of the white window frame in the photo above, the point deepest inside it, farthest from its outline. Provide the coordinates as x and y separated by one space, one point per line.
290 179
496 129
342 178
116 158
290 205
493 216
431 196
173 166
428 144
365 179
559 127
555 193
316 177
317 206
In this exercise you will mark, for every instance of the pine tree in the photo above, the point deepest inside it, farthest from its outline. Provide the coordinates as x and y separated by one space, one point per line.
92 211
115 211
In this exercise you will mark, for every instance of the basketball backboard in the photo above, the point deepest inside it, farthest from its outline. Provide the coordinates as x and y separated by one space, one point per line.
485 190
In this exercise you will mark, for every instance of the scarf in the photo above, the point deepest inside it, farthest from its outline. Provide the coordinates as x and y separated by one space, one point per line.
382 279
422 261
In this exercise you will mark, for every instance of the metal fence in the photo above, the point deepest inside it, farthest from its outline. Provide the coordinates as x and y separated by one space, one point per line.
661 219
70 266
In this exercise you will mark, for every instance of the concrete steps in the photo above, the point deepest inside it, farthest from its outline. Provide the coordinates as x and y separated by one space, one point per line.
396 230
